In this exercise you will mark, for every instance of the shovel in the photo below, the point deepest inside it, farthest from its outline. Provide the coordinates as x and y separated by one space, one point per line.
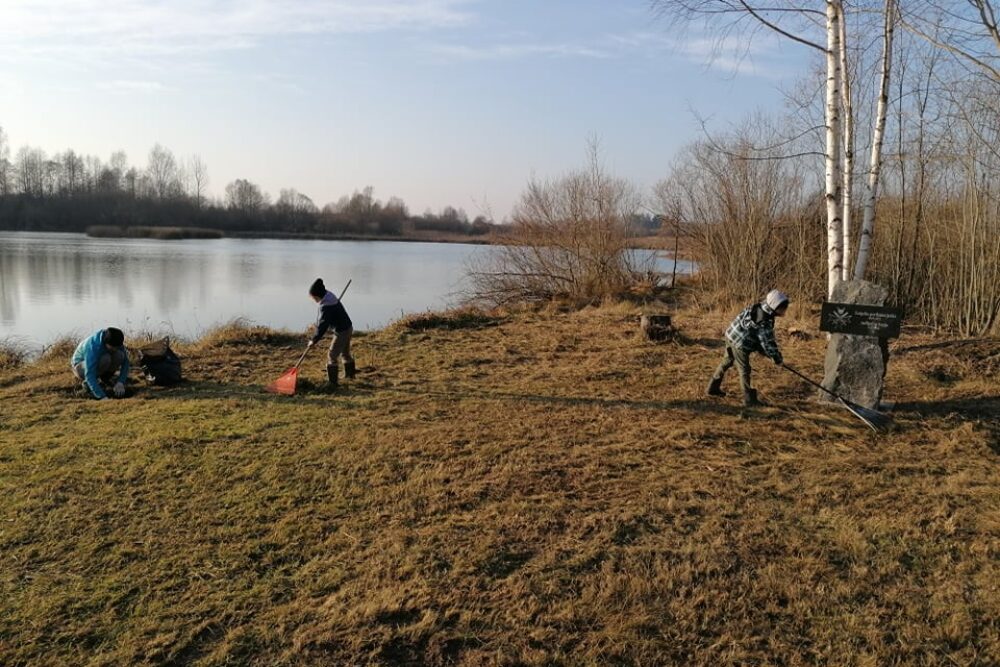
874 419
286 383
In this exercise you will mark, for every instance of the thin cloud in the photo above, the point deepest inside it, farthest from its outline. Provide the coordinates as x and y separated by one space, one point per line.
128 86
759 57
517 51
164 27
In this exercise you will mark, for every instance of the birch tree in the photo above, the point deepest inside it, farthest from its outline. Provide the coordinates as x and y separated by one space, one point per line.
801 22
834 222
847 184
875 163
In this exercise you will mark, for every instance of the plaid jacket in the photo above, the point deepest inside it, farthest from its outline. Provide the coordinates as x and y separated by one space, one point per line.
753 331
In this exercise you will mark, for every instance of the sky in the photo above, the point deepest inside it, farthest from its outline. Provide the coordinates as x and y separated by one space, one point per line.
439 102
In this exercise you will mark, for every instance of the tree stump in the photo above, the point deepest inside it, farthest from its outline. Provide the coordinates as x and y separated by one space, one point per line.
656 326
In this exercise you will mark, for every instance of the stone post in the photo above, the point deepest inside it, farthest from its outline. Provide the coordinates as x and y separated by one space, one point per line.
856 365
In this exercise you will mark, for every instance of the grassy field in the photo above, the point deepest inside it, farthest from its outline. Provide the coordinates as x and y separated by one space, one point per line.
522 489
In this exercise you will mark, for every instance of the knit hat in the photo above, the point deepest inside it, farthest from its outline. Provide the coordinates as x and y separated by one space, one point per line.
317 289
775 298
114 337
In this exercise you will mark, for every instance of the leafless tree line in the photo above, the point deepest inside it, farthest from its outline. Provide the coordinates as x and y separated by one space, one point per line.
68 192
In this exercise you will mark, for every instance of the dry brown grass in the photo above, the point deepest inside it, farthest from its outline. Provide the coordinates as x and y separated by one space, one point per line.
12 354
538 489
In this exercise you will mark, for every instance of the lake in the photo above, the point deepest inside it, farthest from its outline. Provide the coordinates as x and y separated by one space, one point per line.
53 285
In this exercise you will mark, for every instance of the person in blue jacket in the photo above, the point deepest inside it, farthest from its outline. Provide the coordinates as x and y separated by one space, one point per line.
96 360
332 315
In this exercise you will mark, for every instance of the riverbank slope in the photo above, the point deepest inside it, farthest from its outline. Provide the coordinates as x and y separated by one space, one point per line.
534 488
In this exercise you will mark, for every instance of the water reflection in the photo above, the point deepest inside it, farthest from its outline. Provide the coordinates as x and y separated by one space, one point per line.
53 285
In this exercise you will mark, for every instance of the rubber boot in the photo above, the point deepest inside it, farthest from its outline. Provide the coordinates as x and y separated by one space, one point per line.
332 371
350 370
715 387
750 399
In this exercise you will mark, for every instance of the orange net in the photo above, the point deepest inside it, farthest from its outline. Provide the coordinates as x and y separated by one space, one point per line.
285 384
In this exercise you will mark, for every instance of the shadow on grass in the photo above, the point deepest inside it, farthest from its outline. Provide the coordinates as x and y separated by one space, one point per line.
465 393
200 390
984 408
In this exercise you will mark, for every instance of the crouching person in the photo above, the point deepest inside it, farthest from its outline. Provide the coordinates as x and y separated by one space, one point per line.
98 358
333 315
751 331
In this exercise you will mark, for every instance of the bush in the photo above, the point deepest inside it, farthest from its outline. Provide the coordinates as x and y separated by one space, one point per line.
12 355
750 224
568 240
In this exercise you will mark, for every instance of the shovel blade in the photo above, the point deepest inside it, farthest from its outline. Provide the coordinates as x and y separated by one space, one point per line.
284 384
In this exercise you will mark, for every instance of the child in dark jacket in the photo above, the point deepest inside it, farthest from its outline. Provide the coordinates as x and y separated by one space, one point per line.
751 331
332 315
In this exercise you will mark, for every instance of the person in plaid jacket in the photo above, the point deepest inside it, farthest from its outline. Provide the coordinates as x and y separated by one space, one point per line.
751 331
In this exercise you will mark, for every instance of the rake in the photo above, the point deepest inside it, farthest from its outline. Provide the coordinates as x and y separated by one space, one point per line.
875 420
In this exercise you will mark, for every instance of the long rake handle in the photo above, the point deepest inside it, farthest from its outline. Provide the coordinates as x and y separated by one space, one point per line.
810 381
345 289
304 353
819 386
873 419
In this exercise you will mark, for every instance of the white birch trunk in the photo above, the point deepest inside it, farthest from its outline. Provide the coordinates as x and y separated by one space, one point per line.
847 105
834 228
875 165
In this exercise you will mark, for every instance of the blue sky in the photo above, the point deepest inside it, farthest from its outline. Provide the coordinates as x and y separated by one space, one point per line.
440 102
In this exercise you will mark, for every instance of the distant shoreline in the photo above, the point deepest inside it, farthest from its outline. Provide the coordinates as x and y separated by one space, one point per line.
176 233
662 243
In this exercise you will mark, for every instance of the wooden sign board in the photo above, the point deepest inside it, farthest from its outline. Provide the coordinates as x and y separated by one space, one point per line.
848 318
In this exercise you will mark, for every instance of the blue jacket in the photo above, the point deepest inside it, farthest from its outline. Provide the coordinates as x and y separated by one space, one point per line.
89 351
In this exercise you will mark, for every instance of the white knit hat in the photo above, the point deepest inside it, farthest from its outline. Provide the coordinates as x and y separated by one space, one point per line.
775 298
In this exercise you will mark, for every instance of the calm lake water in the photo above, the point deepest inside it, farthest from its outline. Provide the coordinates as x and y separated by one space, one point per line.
52 285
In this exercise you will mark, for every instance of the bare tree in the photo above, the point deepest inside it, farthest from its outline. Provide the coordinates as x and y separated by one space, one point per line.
847 183
568 239
751 223
30 169
73 172
199 179
5 165
875 163
834 176
244 196
966 29
119 166
163 172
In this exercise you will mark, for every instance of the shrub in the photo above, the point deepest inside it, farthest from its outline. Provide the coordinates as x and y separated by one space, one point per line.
568 240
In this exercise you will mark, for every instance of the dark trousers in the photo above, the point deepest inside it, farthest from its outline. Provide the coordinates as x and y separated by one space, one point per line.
340 346
739 357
